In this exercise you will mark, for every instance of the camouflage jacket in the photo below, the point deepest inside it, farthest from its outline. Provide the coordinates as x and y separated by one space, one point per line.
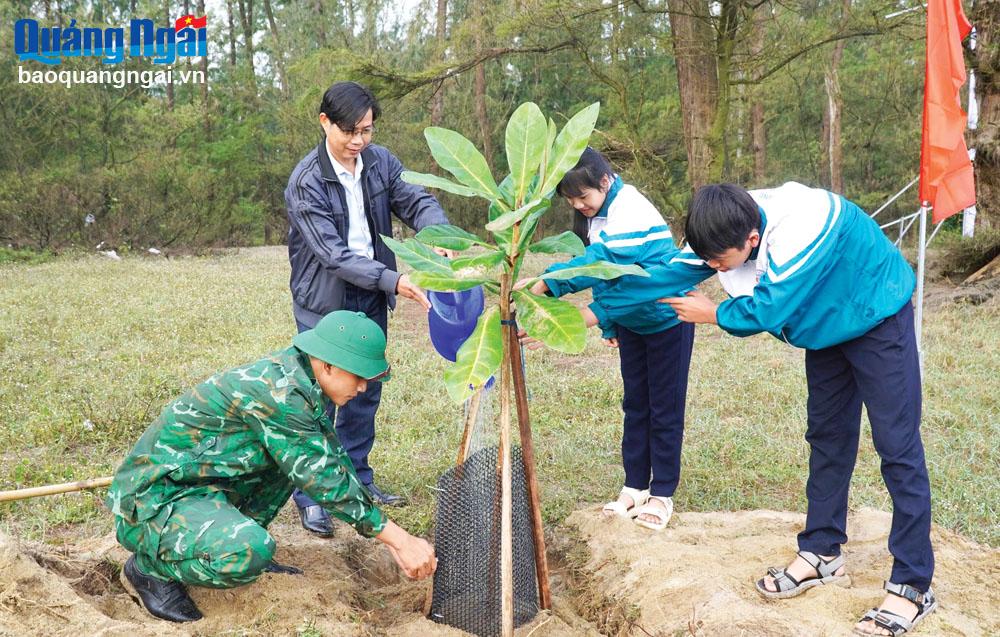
255 432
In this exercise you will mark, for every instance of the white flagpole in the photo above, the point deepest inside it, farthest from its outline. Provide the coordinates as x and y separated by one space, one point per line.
921 259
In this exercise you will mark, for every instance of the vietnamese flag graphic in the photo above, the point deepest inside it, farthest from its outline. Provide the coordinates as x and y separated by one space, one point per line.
189 20
946 176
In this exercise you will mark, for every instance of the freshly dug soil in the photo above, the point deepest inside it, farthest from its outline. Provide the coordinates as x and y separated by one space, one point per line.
609 575
697 576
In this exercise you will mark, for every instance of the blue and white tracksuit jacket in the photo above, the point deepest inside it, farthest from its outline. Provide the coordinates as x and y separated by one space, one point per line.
824 273
627 230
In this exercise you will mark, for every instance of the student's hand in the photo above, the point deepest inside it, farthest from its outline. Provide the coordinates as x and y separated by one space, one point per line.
589 318
541 288
538 289
694 308
406 288
611 342
414 555
529 342
445 252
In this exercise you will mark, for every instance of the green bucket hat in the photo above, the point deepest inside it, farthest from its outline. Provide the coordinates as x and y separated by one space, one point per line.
348 340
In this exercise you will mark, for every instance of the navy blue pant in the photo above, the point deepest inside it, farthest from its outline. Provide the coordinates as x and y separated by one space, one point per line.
355 425
655 377
880 370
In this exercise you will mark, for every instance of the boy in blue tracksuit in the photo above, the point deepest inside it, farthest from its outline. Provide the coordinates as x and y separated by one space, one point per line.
622 226
814 270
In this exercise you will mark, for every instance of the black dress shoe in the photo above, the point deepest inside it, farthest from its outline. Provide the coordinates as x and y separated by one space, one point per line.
316 520
385 499
166 600
286 569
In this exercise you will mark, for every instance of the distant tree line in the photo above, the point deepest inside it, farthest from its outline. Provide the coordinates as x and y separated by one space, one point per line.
827 92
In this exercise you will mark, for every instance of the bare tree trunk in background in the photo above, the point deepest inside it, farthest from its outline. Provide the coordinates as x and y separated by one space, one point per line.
279 52
698 83
986 138
232 33
320 22
833 163
204 66
480 96
758 133
437 103
246 20
170 82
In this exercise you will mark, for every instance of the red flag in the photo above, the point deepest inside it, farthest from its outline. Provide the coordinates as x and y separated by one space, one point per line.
189 20
946 177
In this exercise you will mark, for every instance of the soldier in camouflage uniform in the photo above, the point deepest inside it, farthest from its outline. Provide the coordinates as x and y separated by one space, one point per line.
193 499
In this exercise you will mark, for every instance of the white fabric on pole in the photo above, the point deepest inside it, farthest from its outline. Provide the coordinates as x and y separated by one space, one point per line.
969 214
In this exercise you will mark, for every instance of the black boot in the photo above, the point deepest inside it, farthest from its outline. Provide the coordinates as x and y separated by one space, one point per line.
316 520
384 499
166 600
285 569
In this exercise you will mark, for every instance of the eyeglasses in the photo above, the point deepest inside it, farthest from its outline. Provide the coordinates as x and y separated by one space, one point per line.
366 132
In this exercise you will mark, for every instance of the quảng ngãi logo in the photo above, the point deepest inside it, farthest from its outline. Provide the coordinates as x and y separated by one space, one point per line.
49 45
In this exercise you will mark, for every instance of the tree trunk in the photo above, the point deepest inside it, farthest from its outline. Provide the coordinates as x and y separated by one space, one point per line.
833 165
320 22
758 133
232 33
170 82
279 52
698 81
480 93
986 138
832 147
437 103
204 66
246 20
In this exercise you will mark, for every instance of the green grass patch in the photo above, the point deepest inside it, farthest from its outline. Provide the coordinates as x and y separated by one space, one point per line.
92 349
25 257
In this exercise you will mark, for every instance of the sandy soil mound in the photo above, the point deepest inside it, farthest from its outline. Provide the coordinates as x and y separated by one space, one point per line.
696 577
351 586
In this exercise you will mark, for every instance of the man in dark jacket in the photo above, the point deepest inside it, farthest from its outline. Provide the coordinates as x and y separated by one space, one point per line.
340 198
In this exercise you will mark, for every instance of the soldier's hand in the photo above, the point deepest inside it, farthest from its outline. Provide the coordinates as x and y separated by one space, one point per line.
406 288
414 555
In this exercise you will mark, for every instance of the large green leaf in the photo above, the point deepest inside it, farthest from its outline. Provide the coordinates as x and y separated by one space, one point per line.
525 142
598 270
450 237
433 181
478 357
418 256
457 155
452 281
568 146
489 260
564 243
508 219
555 322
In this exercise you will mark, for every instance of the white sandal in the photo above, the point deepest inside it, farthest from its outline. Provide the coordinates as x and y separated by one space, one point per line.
657 512
639 498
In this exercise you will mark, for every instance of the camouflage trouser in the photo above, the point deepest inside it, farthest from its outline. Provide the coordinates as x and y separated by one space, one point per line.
202 540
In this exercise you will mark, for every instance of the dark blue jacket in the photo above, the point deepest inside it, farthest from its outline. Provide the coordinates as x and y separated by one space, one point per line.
317 235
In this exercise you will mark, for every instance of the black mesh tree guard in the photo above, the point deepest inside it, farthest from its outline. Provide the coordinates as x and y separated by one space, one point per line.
467 544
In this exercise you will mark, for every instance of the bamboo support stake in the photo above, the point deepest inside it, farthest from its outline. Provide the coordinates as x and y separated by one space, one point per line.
470 425
52 489
530 477
506 531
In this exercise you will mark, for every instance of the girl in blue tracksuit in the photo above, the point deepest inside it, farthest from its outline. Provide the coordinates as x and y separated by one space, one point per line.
815 271
622 226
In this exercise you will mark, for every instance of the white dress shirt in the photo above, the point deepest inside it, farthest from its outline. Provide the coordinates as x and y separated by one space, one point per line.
359 238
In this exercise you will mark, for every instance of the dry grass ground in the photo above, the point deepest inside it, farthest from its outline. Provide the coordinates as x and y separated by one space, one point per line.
91 349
